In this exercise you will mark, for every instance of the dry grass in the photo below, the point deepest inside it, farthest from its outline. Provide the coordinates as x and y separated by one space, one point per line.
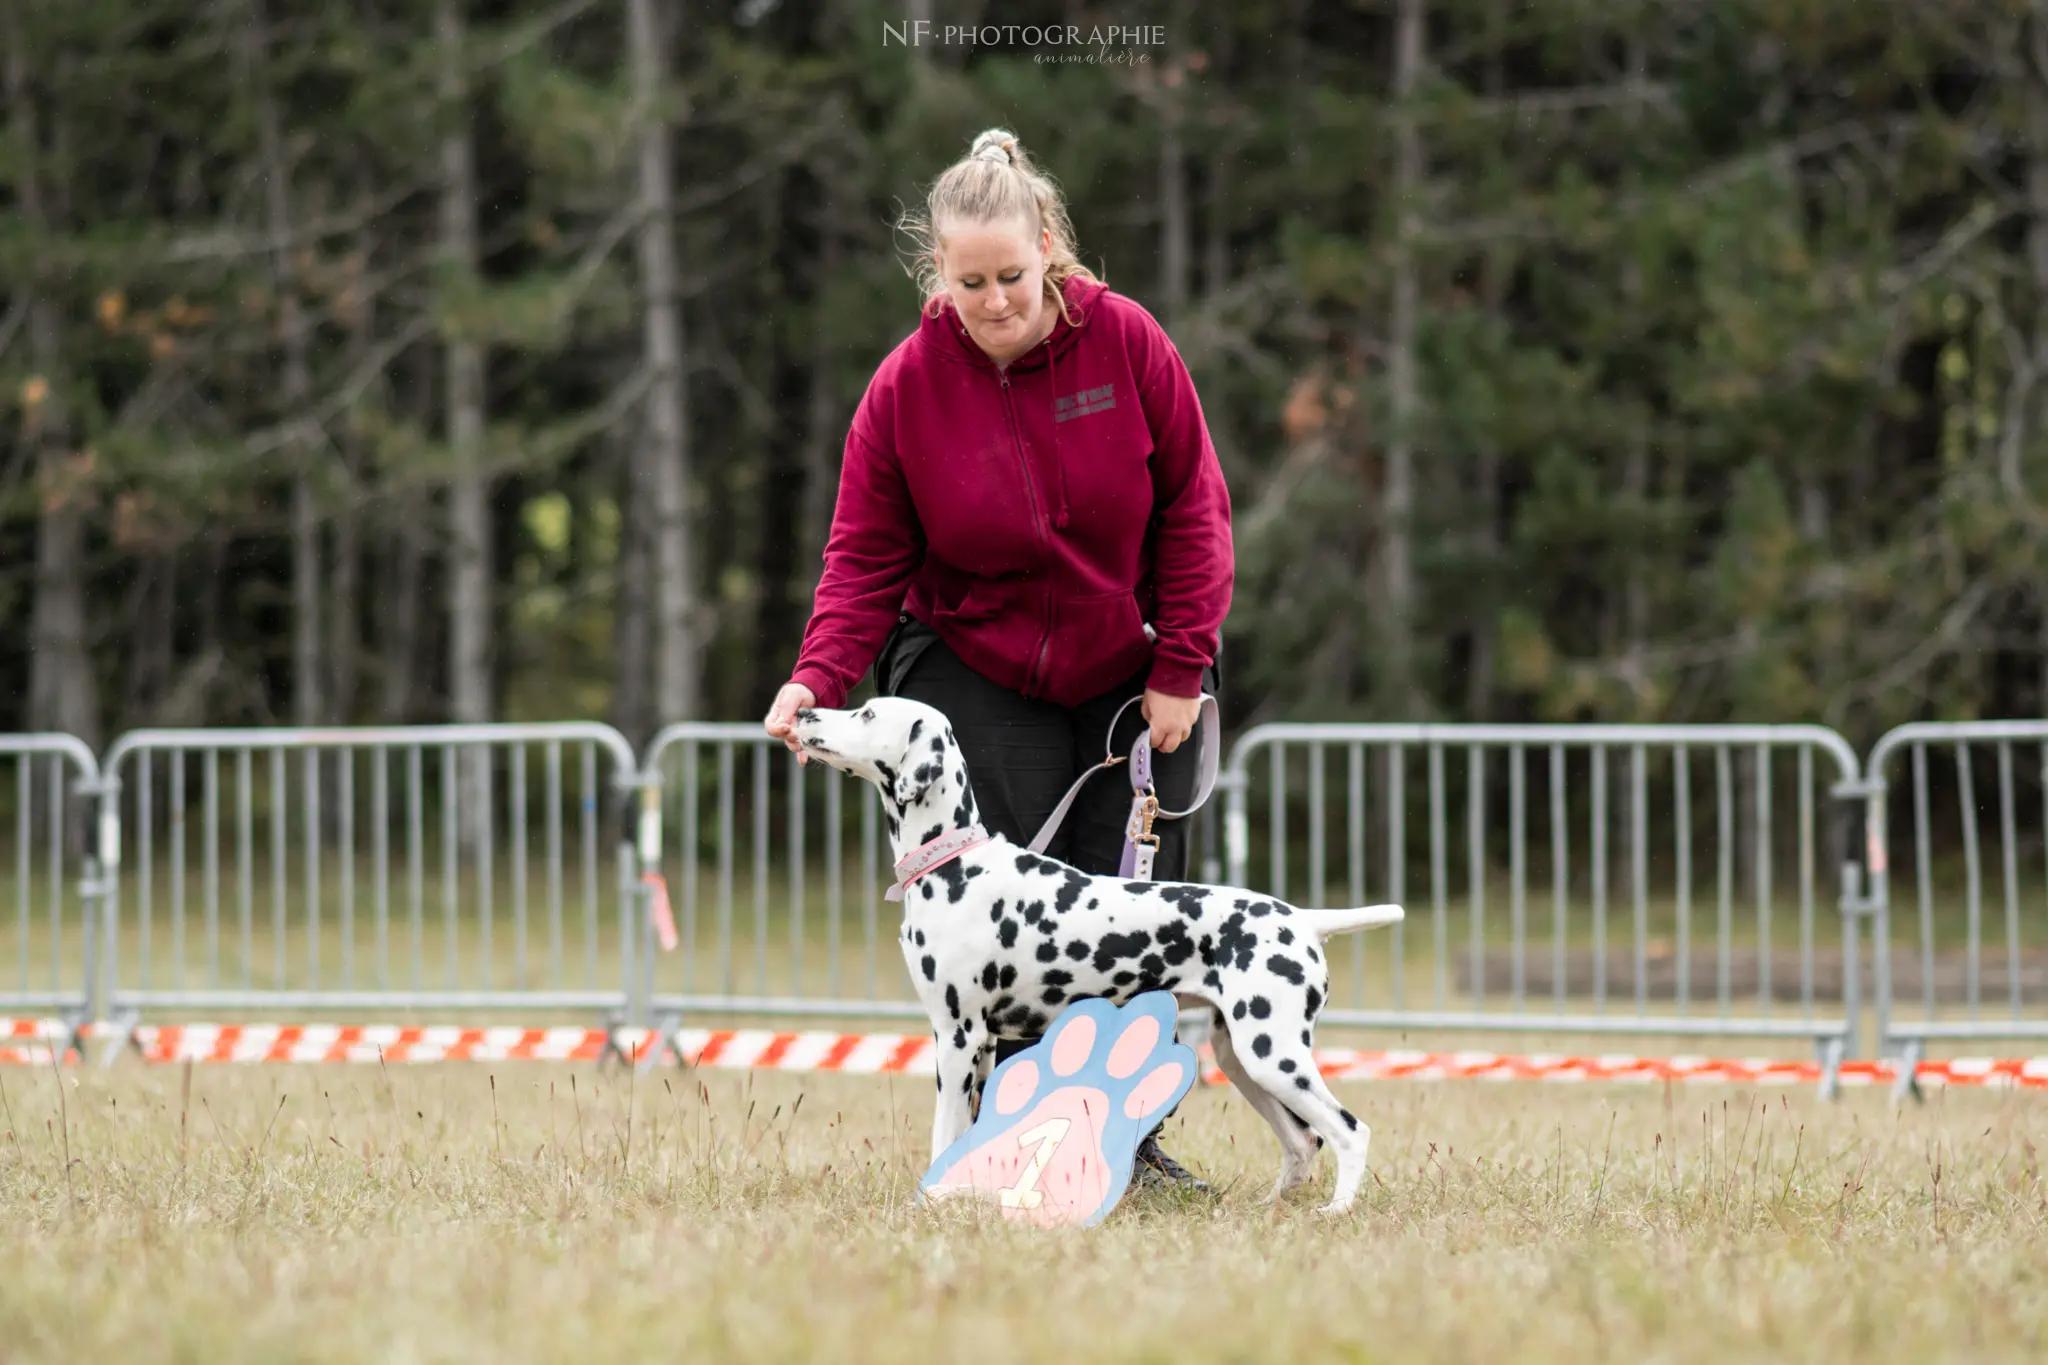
537 1213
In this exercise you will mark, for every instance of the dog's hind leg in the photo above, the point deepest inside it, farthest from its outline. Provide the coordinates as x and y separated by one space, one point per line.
1287 1071
1297 1146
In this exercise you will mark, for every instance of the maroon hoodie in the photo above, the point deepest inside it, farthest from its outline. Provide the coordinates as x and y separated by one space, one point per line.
1037 520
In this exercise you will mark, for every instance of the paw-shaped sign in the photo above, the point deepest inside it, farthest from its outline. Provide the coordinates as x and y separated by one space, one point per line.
1061 1121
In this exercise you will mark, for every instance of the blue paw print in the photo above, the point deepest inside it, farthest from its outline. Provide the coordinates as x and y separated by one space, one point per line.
1061 1121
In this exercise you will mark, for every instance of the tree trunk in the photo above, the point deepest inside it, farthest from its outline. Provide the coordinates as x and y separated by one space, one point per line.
400 582
296 383
1396 567
1174 233
632 705
663 460
822 435
1487 511
469 525
63 691
1635 474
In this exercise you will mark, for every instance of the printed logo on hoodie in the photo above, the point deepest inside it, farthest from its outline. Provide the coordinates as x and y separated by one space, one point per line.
1084 403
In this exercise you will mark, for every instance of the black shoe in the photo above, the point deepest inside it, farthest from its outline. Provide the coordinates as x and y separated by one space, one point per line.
1157 1170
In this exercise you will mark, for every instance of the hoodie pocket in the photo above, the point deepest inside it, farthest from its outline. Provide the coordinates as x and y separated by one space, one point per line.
1097 643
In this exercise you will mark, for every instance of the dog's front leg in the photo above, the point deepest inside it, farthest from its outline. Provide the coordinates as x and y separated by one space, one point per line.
954 1111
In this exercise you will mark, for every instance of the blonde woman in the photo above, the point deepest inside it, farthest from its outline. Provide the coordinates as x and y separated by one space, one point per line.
1032 529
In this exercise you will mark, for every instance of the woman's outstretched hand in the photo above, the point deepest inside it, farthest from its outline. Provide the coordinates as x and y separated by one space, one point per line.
781 719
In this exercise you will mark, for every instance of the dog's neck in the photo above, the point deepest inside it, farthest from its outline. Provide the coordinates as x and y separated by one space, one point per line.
932 815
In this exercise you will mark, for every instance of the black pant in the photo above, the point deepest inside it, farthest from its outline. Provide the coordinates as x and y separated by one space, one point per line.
1022 755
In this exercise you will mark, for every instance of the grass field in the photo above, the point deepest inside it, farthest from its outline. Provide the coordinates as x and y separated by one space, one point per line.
511 1213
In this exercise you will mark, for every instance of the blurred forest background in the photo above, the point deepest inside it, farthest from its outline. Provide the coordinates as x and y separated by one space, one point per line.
408 360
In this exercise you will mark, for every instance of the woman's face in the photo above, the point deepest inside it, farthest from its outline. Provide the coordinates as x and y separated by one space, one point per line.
995 276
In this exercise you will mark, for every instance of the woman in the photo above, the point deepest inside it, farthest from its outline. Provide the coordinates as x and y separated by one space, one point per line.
1032 528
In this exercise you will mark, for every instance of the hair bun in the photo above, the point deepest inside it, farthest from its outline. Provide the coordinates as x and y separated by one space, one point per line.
998 145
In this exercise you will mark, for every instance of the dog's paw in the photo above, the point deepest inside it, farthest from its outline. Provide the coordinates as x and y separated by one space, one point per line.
1061 1121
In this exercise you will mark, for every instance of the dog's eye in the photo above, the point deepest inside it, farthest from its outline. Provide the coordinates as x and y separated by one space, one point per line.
867 713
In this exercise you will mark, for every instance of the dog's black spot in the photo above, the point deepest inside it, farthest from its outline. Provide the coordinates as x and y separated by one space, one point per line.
888 776
1262 1046
895 825
960 1039
1048 951
1007 933
956 878
1237 1010
917 937
1077 950
1286 936
1301 1082
1052 996
1174 942
931 968
916 729
1056 977
1349 1121
934 832
1152 964
1287 1065
927 888
1261 1007
1185 897
1070 890
1034 915
1315 1002
1259 909
1234 946
1123 978
1212 980
1137 888
952 1000
1093 903
1306 1040
1008 977
1115 948
1286 968
988 977
1314 956
965 813
1031 862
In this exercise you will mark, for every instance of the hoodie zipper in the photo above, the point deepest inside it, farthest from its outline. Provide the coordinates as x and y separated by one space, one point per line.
1031 677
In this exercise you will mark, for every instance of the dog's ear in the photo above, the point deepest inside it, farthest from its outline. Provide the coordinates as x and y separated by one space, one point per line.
912 783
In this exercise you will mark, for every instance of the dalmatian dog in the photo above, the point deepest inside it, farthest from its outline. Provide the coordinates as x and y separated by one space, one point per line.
998 939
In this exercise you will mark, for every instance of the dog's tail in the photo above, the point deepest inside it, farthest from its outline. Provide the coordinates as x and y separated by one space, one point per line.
1328 922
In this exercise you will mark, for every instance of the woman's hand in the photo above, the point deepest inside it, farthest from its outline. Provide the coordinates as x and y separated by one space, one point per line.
781 719
1172 718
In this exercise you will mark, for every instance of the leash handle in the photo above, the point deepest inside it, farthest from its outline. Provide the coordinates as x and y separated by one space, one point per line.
1208 736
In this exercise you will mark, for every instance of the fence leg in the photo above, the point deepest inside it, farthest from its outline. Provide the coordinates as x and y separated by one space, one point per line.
1831 1050
1907 1080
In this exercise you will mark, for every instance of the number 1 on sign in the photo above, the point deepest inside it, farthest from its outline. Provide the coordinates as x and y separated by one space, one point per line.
1025 1194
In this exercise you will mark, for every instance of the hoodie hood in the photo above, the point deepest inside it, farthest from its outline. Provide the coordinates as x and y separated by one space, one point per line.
943 334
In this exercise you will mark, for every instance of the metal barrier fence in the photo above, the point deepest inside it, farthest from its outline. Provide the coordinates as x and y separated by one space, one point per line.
412 867
52 863
1568 878
1961 968
1646 880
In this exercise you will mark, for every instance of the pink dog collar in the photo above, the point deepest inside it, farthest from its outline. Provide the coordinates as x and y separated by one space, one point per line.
925 857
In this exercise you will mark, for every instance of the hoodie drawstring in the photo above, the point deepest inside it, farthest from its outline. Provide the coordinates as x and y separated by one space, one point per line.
1059 520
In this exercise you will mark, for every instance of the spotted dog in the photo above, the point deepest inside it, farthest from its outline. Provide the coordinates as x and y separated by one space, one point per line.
998 939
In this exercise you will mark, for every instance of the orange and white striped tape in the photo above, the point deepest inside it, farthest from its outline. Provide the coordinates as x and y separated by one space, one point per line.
30 1041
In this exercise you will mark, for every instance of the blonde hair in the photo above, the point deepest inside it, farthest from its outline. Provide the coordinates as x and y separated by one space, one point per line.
995 182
